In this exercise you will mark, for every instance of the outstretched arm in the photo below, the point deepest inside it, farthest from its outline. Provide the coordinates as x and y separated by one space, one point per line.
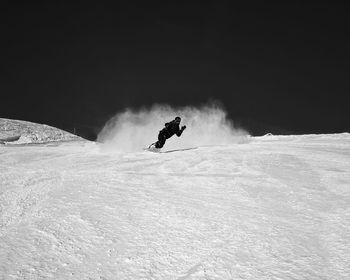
179 132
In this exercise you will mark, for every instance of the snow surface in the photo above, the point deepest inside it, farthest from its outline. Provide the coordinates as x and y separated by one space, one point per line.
31 133
274 208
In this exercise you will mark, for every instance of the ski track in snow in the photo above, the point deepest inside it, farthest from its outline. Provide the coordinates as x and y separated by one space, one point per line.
274 208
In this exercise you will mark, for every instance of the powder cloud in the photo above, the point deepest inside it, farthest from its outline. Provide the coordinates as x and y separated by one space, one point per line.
135 129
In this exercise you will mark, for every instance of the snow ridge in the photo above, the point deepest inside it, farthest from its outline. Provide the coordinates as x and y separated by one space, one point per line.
23 132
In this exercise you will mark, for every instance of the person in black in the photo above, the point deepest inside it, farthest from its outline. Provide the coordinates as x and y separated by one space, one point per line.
169 130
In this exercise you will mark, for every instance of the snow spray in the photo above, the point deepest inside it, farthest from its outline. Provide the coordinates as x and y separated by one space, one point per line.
134 129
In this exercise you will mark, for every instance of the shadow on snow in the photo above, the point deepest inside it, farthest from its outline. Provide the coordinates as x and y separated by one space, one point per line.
179 150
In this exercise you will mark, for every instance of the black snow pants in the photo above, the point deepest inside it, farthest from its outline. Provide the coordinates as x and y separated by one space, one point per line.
161 140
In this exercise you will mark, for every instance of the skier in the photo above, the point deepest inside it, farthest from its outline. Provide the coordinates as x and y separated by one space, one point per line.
169 130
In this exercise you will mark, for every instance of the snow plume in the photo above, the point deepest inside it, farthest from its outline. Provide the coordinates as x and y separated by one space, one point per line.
133 130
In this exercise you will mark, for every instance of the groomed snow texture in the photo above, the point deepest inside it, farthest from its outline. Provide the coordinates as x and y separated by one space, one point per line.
272 208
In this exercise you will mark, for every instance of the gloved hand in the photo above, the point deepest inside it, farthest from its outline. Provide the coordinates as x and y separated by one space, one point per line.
183 127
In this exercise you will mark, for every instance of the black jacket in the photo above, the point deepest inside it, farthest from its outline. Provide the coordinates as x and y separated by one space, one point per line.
170 129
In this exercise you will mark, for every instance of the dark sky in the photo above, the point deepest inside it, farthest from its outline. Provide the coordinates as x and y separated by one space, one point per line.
276 68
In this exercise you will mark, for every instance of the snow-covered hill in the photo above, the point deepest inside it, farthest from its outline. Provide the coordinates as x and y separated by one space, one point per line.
273 208
23 132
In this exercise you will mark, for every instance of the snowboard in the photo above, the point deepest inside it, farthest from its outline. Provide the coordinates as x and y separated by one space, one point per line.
152 148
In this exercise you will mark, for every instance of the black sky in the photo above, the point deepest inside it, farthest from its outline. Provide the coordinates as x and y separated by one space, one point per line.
277 68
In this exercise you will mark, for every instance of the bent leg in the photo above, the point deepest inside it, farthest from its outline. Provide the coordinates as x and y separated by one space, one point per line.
161 141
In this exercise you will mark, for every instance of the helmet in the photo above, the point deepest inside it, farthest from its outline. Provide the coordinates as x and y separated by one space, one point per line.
177 119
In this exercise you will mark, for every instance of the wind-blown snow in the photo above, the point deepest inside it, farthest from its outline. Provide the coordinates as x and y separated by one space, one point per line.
206 125
274 208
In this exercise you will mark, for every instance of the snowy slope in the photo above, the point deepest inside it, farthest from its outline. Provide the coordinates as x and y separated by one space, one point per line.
274 208
23 132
